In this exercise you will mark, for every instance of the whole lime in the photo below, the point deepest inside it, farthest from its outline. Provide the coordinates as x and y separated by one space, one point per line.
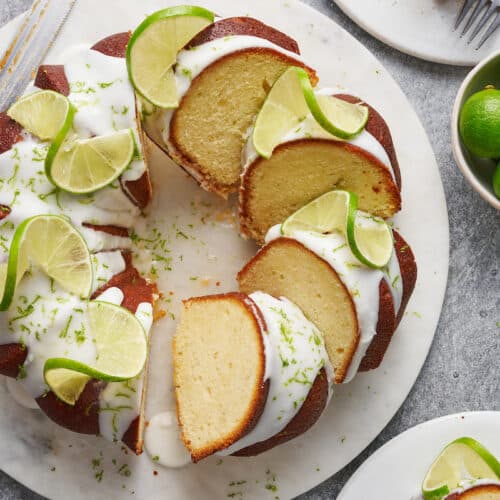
480 123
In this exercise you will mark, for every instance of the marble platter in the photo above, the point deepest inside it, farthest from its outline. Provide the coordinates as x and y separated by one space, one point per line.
397 470
206 253
421 28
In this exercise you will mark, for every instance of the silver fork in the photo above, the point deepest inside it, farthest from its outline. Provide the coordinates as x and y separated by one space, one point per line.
490 10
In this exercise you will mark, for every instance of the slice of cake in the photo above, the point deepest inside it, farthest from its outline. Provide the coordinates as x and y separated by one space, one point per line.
310 162
223 77
356 307
478 492
250 372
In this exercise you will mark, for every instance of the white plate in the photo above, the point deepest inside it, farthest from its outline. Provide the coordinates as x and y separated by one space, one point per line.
421 28
396 471
32 446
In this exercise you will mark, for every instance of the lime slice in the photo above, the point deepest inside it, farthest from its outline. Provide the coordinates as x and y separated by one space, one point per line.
463 459
87 165
42 113
291 100
51 243
121 349
153 47
496 181
369 237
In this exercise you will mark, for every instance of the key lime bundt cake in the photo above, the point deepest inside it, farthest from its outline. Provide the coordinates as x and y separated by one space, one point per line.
206 132
254 368
45 321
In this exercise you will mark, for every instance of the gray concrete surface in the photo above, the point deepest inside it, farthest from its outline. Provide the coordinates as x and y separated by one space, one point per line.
462 371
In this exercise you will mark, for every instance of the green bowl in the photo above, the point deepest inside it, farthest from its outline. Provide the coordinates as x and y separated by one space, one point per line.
477 171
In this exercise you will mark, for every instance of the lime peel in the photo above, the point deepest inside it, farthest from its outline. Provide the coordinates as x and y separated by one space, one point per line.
369 238
45 240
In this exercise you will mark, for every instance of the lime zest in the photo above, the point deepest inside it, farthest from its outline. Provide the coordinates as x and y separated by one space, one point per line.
121 351
291 101
369 238
153 47
46 241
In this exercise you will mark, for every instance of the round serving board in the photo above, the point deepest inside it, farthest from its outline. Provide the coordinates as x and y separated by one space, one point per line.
203 255
396 470
422 29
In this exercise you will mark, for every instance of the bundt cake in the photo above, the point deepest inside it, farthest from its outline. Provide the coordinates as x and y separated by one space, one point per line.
252 369
477 492
250 372
356 308
45 321
310 162
206 133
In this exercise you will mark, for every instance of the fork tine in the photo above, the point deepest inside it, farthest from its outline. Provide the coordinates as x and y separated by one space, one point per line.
479 7
493 27
486 17
466 8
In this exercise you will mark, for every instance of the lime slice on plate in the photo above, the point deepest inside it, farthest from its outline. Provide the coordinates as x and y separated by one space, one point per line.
86 165
51 243
463 459
121 349
291 100
153 47
369 237
42 113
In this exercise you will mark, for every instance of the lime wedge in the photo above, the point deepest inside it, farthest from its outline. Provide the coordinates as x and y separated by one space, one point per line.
51 243
87 165
463 459
42 113
496 181
291 100
121 349
153 47
369 237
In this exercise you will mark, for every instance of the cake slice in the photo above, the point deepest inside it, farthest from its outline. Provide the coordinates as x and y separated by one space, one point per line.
479 492
219 372
223 77
250 373
355 307
310 162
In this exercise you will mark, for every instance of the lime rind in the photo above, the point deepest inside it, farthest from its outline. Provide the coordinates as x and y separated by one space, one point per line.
487 462
161 88
370 238
121 351
28 247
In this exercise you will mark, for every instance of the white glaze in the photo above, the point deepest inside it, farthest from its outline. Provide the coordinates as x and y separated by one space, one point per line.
297 353
310 129
56 325
191 62
163 442
361 281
